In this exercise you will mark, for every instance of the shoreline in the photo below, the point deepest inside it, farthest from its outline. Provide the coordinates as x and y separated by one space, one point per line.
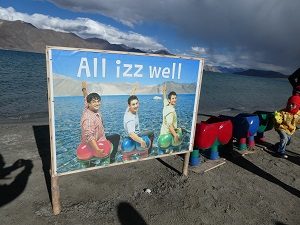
38 120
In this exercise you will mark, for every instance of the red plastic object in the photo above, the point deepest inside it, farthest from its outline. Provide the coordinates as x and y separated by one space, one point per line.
225 131
206 134
85 153
105 146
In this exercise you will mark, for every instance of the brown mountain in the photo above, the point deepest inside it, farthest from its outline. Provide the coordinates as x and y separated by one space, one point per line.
19 35
67 86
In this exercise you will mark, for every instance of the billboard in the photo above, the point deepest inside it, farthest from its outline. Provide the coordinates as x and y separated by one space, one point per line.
109 108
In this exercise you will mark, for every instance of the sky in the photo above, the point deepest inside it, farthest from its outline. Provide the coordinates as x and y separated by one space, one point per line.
257 34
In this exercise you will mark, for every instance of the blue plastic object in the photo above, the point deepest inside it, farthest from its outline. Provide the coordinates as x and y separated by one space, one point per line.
194 161
128 145
148 143
214 155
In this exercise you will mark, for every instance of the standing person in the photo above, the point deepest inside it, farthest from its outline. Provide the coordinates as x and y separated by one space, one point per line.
92 129
169 125
286 122
294 80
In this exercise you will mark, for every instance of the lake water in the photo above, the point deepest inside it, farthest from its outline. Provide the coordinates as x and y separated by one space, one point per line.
23 86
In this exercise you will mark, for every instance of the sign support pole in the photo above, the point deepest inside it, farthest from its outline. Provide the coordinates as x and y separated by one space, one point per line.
55 195
186 164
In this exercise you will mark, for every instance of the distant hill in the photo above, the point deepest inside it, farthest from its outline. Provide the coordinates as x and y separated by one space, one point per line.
262 73
161 52
67 86
229 70
241 71
22 36
210 68
221 69
114 47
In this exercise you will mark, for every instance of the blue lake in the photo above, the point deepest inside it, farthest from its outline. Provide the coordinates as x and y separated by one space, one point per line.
23 84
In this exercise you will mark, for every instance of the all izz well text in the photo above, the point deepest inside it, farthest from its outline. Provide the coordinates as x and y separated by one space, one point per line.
98 68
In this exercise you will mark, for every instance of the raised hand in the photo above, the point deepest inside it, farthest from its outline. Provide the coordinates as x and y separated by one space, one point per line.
84 88
164 88
83 85
133 91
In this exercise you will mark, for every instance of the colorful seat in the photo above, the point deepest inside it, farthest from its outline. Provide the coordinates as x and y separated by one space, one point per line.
211 133
245 127
84 152
266 123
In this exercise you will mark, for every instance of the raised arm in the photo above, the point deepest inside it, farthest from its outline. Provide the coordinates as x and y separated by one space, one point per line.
164 92
84 88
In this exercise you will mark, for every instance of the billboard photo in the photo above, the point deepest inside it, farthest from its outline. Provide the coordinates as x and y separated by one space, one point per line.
109 108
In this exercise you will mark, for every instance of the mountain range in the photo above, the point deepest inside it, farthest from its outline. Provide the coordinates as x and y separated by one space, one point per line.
261 73
22 36
66 86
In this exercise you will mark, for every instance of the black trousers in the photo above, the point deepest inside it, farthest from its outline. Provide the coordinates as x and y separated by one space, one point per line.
115 140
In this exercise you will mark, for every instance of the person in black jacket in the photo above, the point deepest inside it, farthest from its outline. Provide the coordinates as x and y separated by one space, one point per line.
294 79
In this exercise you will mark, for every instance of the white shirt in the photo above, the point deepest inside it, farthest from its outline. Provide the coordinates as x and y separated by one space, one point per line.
131 122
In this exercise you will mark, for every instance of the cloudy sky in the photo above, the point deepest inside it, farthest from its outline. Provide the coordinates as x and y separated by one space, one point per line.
259 34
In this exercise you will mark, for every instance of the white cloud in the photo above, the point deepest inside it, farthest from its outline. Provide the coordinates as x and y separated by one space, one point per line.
83 27
199 50
270 27
252 33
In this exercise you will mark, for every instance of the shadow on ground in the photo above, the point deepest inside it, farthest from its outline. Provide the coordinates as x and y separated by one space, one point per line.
9 192
271 149
229 154
128 215
42 138
168 166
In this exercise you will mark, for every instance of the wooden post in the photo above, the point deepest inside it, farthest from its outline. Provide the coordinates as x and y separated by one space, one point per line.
55 195
186 163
